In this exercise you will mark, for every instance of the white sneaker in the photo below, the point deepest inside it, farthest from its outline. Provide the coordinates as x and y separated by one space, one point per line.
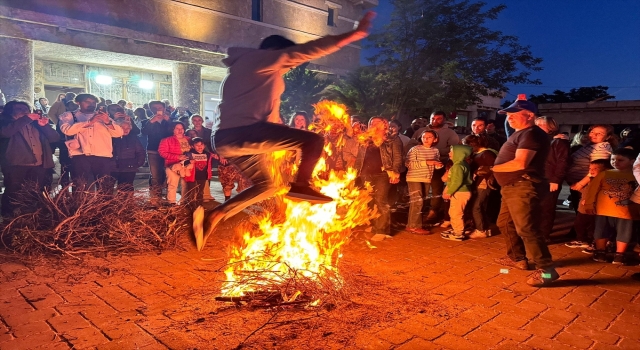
566 203
445 224
479 234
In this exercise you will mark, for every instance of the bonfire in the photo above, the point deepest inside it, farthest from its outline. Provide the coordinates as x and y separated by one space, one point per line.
294 258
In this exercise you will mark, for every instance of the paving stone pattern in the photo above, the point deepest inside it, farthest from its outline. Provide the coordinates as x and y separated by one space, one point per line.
129 302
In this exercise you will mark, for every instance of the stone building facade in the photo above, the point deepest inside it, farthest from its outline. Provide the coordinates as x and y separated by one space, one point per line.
148 49
577 116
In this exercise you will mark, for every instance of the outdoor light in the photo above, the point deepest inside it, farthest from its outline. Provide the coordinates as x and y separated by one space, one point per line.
145 84
104 80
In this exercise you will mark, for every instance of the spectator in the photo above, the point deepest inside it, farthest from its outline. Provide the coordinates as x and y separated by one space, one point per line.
156 129
299 121
168 108
634 204
421 160
60 107
458 191
519 170
416 124
555 171
205 134
446 139
482 160
400 189
139 119
43 105
181 112
584 224
117 113
491 132
25 151
91 148
173 150
201 158
129 156
379 164
127 110
479 127
608 198
129 105
598 147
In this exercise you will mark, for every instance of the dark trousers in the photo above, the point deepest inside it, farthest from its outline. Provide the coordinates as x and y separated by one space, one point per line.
548 214
519 223
417 192
158 174
65 164
87 169
479 209
195 192
381 185
125 180
437 187
250 147
15 176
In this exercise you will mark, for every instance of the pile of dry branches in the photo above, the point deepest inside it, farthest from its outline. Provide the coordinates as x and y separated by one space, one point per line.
79 222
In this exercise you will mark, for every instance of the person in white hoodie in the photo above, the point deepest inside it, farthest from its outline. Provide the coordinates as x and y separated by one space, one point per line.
89 133
249 127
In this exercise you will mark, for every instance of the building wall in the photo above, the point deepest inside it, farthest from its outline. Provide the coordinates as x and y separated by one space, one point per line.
572 117
208 25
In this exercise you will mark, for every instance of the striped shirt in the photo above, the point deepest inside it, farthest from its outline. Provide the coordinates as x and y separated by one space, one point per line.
418 170
581 159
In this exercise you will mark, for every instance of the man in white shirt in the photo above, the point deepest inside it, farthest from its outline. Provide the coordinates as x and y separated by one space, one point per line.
90 146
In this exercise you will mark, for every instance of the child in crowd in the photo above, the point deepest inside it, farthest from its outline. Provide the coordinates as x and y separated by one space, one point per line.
421 161
584 223
608 198
196 180
481 162
458 191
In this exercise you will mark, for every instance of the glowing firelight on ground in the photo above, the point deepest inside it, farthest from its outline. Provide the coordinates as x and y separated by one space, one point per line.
307 243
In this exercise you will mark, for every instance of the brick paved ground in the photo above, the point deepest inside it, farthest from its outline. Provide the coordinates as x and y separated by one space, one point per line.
456 298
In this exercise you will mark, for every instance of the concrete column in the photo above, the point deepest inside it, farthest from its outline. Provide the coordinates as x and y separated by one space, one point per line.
16 69
187 86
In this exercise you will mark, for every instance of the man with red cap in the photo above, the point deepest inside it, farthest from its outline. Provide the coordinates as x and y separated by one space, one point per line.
519 170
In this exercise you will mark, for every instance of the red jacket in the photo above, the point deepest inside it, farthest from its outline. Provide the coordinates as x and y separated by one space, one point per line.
192 176
170 150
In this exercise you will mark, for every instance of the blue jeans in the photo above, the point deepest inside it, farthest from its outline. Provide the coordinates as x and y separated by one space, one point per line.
381 185
416 200
519 222
158 175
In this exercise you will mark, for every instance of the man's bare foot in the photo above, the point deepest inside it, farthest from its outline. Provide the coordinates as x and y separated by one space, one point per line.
198 225
213 219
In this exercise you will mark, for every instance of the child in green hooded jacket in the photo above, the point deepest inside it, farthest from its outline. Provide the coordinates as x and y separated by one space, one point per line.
458 190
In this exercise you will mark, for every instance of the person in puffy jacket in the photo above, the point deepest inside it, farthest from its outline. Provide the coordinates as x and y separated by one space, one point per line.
173 150
129 155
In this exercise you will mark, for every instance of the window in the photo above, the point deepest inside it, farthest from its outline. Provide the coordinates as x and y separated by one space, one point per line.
331 20
256 10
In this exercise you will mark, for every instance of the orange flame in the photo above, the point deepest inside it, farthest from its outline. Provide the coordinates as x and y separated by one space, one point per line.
311 237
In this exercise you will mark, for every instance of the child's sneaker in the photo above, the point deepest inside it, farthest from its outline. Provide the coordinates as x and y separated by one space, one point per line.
619 259
480 234
589 250
577 244
452 236
600 256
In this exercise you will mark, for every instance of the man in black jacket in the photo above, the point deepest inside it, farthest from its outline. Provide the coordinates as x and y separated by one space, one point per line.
156 129
25 151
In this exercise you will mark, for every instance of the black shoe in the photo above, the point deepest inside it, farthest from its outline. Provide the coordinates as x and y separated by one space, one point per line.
306 193
600 256
619 259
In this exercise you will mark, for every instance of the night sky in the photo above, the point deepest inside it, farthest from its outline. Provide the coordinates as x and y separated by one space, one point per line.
581 42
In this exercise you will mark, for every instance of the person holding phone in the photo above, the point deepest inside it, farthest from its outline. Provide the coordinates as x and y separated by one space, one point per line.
90 148
25 152
156 128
